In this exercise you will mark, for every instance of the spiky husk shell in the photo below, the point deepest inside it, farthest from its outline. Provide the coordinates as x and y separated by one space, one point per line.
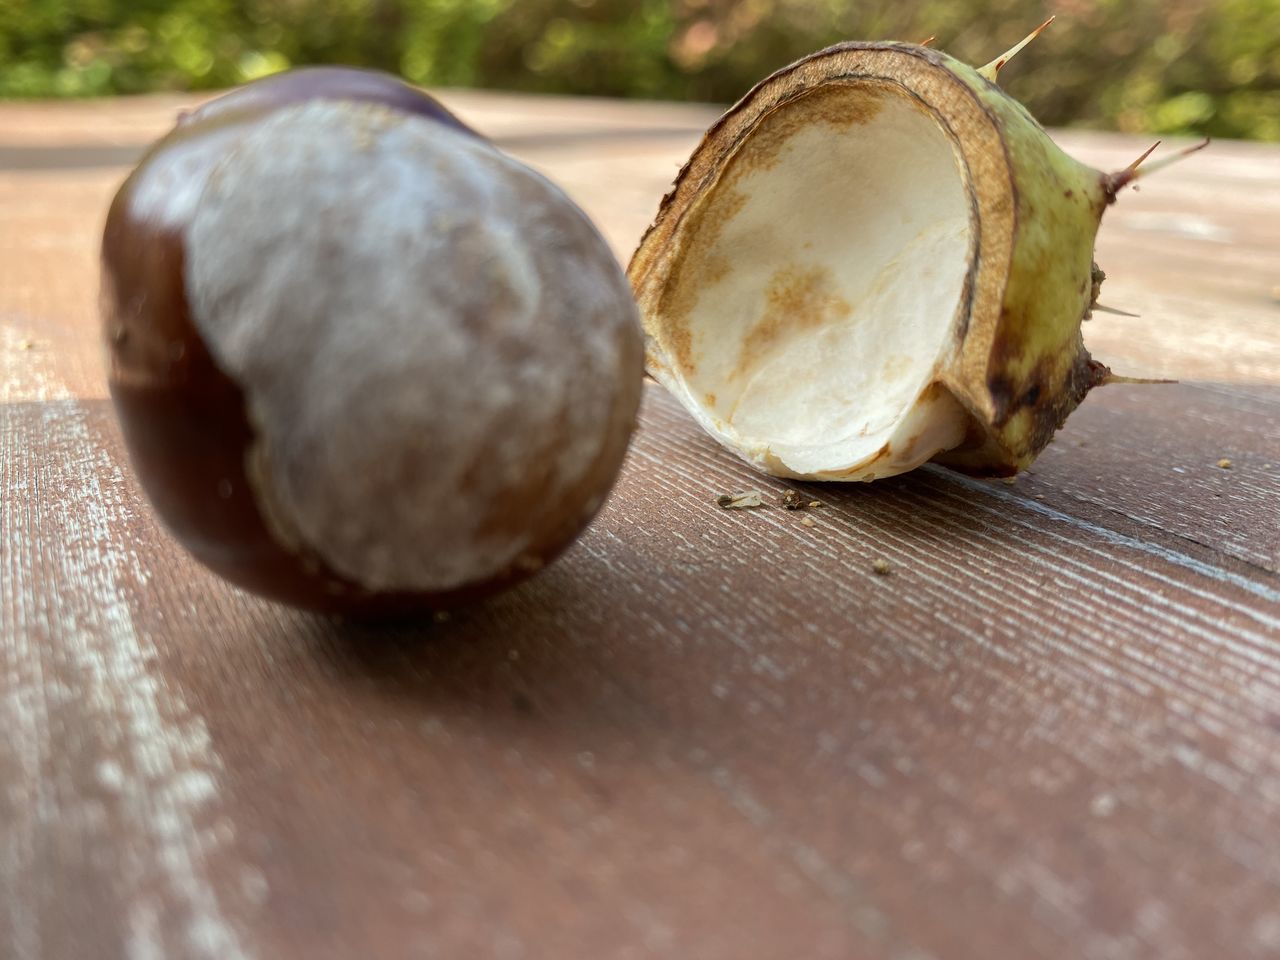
1017 364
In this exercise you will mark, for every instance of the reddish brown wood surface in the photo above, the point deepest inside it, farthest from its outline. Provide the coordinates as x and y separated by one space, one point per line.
1052 730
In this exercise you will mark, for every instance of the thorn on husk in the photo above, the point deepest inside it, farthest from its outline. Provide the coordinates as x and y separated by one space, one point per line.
1110 378
1103 308
992 70
1113 183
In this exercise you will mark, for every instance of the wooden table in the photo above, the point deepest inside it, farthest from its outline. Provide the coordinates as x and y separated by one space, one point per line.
1053 730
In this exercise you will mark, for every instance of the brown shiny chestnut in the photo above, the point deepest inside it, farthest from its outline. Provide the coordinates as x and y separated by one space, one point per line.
363 361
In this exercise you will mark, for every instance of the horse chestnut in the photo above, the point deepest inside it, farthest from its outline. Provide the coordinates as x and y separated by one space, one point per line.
363 361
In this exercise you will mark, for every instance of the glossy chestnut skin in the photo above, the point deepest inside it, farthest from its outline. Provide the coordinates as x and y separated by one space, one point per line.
184 420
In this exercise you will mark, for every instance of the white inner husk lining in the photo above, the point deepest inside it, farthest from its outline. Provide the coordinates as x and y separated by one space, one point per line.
831 259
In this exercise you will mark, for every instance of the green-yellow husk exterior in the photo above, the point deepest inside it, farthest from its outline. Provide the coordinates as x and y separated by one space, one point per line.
1037 369
1018 366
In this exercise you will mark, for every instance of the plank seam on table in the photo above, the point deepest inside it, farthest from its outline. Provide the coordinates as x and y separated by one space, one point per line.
1141 617
1222 570
671 412
1190 701
902 553
1174 557
1150 525
1193 698
1250 648
1139 545
1247 660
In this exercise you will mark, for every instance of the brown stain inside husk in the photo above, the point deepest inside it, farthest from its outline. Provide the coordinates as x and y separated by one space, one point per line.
840 105
701 267
796 298
895 366
701 264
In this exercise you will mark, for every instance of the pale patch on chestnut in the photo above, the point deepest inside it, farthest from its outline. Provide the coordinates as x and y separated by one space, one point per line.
397 397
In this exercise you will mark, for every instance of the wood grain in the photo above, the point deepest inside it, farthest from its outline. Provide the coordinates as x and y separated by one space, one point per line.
1051 730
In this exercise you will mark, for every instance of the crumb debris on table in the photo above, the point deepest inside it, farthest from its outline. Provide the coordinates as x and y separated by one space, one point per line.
26 344
881 568
1009 480
808 522
1225 464
795 500
740 501
792 500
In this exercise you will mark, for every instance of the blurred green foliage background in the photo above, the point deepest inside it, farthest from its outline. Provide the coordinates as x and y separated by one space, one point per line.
1177 66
